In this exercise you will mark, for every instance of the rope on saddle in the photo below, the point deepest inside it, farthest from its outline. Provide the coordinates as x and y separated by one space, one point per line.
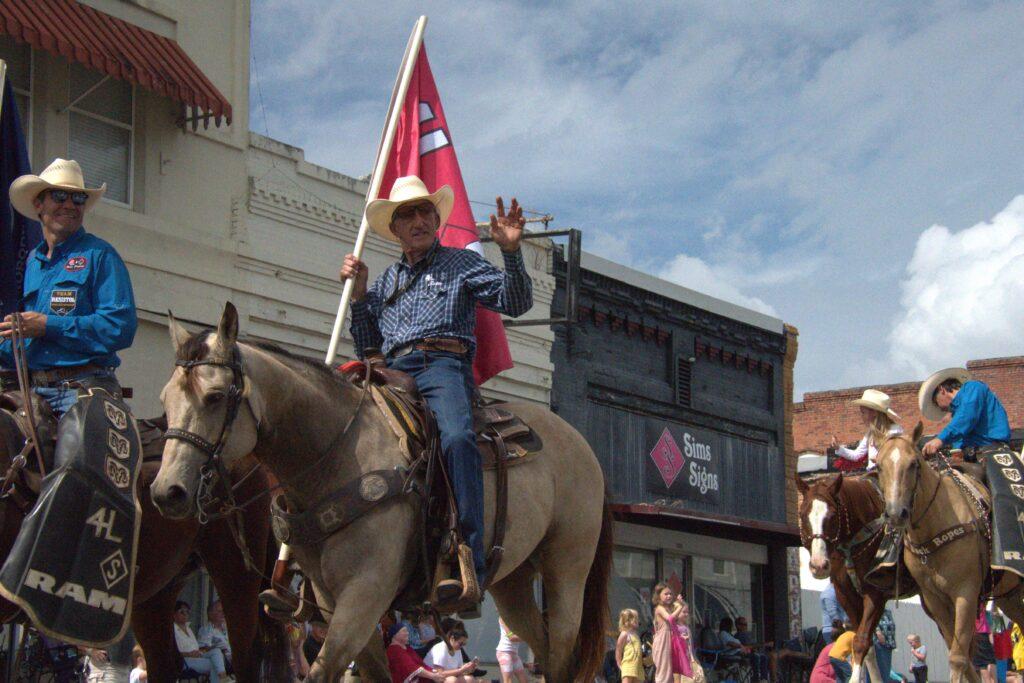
21 369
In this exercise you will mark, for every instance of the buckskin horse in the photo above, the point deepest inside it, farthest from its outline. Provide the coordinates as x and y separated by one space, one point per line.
298 418
943 515
165 557
841 526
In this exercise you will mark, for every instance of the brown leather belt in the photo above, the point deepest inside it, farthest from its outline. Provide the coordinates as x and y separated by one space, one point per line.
431 344
44 378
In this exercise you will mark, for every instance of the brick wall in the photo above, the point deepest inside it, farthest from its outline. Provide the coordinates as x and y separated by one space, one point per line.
823 413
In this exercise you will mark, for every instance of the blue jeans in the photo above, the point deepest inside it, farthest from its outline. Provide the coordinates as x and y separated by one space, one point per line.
65 395
446 382
883 655
842 669
211 663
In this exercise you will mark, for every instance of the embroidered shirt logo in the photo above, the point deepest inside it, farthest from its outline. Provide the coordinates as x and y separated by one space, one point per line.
63 301
76 263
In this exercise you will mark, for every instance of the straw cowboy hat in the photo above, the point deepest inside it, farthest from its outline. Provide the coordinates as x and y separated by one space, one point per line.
407 190
929 409
877 401
62 174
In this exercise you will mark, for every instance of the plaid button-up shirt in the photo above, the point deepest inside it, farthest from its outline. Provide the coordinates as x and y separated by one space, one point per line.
442 300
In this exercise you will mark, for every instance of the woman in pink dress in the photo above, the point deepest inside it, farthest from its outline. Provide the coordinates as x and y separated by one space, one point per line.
666 611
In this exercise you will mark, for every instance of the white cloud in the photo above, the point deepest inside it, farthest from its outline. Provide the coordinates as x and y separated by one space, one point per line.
692 272
963 295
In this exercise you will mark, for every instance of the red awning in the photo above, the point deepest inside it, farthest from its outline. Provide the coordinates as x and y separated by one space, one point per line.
115 47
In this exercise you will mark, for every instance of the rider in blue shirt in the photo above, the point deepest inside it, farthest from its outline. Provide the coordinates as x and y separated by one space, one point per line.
978 418
78 307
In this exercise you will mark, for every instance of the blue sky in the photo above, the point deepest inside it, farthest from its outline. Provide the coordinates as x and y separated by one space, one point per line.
849 167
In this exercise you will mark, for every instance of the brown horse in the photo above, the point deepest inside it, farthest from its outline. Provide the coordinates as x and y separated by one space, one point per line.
297 414
166 549
924 504
840 525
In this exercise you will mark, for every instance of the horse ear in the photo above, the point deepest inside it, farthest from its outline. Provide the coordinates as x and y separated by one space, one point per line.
227 330
833 489
918 431
179 335
801 485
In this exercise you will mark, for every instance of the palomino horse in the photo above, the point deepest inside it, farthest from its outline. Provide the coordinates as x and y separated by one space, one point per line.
841 528
951 574
299 418
166 549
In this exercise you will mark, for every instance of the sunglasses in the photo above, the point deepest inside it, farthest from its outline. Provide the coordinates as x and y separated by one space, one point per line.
61 196
409 212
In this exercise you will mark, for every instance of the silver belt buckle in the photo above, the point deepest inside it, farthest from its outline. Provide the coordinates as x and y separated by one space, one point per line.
403 350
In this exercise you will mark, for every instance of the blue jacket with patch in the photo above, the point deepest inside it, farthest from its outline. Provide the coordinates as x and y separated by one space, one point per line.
86 294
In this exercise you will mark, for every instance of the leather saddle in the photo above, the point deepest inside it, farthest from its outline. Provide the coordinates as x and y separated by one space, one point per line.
499 431
503 438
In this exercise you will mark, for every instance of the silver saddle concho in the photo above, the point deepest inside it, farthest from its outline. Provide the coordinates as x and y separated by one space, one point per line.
71 567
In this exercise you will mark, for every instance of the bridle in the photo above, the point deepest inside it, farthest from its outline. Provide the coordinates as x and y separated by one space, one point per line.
920 462
214 465
841 513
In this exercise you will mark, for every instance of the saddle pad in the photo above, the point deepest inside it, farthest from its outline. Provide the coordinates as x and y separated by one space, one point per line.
71 567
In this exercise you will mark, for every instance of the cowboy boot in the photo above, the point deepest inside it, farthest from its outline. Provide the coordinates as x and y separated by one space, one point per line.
278 601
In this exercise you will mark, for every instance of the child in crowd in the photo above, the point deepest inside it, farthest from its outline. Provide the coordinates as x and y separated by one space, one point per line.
447 655
628 652
138 674
918 658
507 654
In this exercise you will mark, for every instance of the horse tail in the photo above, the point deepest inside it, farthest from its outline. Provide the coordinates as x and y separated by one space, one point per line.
590 643
272 659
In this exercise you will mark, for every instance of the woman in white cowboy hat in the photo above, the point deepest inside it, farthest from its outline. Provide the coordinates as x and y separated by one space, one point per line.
880 421
78 308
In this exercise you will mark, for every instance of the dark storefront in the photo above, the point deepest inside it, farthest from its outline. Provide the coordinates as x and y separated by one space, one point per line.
683 398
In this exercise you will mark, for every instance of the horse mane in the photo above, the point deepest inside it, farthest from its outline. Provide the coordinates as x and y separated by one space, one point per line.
196 348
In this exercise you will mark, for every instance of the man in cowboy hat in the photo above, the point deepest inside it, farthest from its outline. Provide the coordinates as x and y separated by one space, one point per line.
978 418
979 426
78 306
420 313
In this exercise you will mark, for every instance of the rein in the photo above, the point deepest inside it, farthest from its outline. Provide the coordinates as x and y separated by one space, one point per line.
980 524
214 470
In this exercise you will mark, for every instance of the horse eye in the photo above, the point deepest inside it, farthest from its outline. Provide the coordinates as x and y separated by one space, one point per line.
213 398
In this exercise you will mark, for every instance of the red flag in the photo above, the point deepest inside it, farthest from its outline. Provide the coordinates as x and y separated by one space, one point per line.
423 147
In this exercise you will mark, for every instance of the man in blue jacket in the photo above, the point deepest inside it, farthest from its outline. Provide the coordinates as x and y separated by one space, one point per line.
980 427
978 418
78 307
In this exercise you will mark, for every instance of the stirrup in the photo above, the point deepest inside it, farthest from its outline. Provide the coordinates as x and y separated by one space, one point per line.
278 605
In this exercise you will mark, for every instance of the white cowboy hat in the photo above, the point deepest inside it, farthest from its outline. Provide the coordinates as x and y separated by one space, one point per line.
929 409
877 401
406 190
62 174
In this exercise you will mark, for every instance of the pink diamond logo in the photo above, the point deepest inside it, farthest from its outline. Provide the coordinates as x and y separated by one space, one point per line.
668 458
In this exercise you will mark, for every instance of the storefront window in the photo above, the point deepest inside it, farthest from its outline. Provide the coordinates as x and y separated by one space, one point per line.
724 588
635 576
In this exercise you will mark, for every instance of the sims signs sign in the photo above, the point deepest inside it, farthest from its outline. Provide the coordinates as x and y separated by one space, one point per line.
683 465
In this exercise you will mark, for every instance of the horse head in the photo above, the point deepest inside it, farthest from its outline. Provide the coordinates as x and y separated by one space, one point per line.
212 414
899 473
821 524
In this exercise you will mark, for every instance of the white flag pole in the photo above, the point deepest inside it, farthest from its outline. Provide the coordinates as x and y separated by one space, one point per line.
3 79
412 51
